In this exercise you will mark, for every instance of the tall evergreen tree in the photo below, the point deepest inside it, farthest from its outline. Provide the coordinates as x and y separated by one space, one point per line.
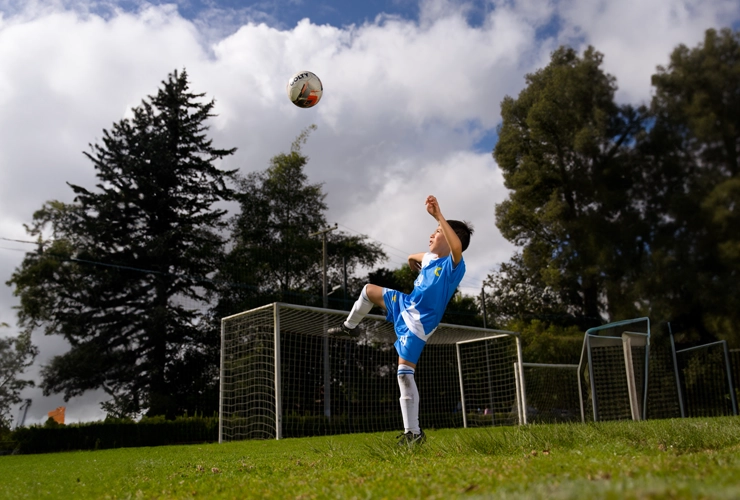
564 151
123 277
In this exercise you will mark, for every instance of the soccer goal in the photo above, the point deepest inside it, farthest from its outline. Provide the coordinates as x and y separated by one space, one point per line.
706 380
489 393
549 392
614 365
735 369
283 376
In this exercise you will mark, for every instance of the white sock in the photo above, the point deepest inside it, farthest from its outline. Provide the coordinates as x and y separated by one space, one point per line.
359 310
409 399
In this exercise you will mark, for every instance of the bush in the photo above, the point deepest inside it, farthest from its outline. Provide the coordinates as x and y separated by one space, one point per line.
116 433
7 445
548 343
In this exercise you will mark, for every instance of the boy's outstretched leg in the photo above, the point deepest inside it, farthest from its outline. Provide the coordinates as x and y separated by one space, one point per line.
369 296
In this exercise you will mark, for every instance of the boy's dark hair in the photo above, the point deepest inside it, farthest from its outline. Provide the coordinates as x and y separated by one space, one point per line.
463 230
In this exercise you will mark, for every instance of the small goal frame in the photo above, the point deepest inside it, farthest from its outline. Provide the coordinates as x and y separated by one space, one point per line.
594 338
519 388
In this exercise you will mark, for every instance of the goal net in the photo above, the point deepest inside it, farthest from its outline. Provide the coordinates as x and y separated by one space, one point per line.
664 397
550 392
734 355
283 376
489 393
613 371
706 379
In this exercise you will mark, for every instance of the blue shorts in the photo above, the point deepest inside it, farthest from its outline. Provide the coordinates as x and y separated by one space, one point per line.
408 346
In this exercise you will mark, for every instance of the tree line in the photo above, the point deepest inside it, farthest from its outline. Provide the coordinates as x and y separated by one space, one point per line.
620 210
617 210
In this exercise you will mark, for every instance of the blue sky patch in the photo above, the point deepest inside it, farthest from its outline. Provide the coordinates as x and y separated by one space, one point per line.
487 141
284 14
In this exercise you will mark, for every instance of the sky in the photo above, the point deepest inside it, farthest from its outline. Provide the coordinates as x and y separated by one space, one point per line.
411 104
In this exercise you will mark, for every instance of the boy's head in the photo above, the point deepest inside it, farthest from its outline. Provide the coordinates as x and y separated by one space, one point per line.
463 230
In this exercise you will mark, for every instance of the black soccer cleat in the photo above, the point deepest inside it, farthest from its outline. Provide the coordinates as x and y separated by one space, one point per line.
410 439
343 331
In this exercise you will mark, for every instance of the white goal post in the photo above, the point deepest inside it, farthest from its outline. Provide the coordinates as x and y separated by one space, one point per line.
282 376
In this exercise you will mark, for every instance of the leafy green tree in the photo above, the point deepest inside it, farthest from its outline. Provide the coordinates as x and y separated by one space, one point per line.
692 189
122 272
463 310
545 342
513 292
401 279
274 257
564 149
16 354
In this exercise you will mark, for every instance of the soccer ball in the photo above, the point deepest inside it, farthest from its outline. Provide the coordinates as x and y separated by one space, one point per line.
304 89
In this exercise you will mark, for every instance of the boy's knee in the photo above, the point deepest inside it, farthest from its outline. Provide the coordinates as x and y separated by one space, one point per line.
374 294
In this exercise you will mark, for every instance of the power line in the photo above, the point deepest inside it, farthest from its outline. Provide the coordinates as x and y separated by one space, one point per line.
374 239
20 241
400 258
17 241
14 249
396 255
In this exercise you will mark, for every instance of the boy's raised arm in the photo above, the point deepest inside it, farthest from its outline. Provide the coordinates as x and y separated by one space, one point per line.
452 239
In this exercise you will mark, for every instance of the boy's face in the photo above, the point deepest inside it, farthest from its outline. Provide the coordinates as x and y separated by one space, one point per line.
438 243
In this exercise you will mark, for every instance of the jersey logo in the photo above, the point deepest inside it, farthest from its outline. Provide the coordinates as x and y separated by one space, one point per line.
393 298
436 271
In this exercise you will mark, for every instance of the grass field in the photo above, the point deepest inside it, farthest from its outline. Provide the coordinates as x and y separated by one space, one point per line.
696 458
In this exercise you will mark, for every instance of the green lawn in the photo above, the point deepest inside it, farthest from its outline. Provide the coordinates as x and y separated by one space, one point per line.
697 458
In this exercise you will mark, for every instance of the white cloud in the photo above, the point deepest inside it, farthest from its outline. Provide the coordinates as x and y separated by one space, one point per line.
636 35
404 102
466 184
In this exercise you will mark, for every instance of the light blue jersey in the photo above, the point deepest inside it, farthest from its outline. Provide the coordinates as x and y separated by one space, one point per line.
415 316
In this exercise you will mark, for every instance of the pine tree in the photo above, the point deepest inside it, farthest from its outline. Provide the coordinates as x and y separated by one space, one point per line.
125 278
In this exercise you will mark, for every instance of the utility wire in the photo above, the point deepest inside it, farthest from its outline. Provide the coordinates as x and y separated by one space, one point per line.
467 283
20 241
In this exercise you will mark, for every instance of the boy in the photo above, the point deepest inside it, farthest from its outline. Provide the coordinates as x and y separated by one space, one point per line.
417 315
